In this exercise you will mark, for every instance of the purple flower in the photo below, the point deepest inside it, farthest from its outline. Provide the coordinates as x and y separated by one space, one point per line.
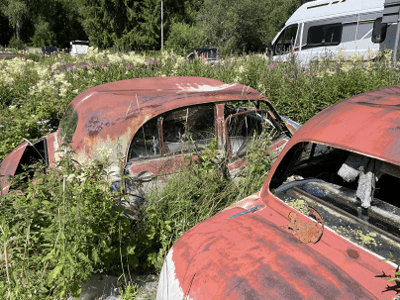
172 58
128 66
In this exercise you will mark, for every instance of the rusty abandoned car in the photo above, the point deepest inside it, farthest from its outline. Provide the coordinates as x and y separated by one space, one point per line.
150 122
326 216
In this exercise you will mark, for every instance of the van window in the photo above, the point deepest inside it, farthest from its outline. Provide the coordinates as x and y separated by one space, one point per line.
286 40
378 31
324 35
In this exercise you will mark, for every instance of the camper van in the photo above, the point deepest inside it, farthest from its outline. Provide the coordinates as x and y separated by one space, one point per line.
324 28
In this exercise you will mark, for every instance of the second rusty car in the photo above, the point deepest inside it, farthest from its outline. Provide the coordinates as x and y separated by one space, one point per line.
149 122
324 220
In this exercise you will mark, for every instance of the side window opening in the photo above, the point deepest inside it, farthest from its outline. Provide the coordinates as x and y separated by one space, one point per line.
324 35
242 127
146 142
179 130
189 128
379 31
355 194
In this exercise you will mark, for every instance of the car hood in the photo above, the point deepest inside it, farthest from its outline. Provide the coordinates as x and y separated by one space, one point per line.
248 257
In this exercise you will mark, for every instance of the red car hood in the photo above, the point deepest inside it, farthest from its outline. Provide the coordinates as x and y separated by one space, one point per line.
248 257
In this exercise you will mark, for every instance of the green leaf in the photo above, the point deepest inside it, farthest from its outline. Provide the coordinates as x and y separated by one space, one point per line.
55 272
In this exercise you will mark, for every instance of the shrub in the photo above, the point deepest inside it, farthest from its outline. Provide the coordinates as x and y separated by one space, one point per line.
57 230
15 43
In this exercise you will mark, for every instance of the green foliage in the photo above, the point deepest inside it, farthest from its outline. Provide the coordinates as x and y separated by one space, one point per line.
16 44
233 26
15 11
183 37
258 163
196 193
57 230
92 236
396 273
131 291
43 34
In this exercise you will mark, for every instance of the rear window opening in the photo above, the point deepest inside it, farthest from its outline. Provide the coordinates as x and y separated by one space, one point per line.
354 193
35 152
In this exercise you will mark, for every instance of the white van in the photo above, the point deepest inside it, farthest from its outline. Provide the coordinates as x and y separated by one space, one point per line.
324 27
79 47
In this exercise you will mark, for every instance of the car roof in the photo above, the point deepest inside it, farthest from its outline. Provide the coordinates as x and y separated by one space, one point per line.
367 123
108 110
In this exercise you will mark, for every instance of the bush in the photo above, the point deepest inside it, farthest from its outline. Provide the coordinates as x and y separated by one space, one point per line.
58 230
15 43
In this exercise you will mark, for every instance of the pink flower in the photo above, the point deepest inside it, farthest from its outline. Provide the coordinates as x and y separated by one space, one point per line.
292 73
285 75
272 66
292 79
62 61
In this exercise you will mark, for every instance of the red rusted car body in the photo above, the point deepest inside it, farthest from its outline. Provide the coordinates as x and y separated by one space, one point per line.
327 214
147 123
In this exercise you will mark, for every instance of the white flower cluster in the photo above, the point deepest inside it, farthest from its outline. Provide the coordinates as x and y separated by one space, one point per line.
11 70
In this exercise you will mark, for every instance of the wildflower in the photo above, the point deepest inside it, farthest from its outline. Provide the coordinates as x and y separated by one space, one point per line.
285 75
242 69
292 79
272 66
346 67
12 107
330 73
62 61
313 74
172 58
292 73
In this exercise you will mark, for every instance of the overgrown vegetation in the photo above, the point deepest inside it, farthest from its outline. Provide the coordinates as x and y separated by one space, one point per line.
58 229
64 226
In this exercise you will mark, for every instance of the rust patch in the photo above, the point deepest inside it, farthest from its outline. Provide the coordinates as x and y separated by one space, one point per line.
353 253
308 232
95 124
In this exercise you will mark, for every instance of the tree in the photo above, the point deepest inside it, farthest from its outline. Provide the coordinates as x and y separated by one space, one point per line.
15 11
242 25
